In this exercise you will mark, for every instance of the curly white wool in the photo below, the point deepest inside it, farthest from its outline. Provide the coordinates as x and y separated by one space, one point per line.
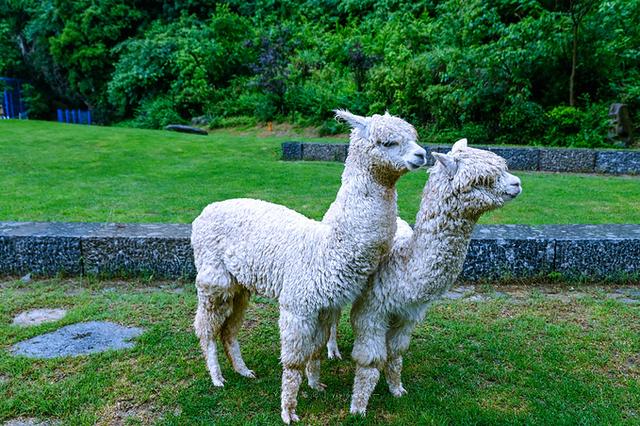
313 268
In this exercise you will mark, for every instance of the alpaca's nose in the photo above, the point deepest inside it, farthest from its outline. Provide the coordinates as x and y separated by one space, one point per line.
422 156
515 185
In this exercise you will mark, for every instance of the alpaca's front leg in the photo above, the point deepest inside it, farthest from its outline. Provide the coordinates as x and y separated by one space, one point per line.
369 352
291 381
332 345
364 383
299 341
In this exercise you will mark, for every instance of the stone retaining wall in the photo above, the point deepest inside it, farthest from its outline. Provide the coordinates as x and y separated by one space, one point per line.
164 250
536 159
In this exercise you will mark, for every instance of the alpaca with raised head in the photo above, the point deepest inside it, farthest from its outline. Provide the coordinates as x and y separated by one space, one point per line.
312 268
423 263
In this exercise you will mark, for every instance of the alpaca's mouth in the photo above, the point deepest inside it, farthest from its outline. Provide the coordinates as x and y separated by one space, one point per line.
508 196
413 166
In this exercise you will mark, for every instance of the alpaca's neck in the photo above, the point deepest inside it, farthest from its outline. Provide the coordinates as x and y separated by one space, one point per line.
439 244
363 216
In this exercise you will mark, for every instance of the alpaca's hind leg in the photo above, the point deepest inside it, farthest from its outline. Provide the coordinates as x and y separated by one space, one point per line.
313 372
326 322
393 374
398 340
332 345
230 330
299 341
214 306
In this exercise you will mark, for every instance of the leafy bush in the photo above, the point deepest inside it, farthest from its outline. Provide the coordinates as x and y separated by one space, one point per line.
157 113
36 103
582 128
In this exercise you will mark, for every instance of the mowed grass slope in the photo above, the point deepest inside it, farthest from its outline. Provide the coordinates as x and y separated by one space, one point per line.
540 361
61 172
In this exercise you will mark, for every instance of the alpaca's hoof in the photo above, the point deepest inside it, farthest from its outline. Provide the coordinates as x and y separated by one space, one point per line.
333 353
289 416
217 381
318 386
358 411
248 374
398 391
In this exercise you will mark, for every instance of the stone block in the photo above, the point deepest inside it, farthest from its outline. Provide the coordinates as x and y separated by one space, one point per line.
161 250
324 152
507 251
292 151
596 251
518 158
39 248
568 160
618 162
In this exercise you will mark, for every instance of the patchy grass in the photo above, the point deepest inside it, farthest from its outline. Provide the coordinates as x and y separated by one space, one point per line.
60 172
525 360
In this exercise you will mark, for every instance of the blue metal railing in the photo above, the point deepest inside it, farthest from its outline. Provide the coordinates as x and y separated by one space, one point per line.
74 116
12 104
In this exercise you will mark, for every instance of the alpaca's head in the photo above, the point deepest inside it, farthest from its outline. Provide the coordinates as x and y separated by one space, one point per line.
478 179
387 141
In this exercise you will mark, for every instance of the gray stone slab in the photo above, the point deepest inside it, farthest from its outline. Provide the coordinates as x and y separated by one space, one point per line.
292 151
618 162
504 251
589 232
324 152
40 255
161 250
186 129
525 158
518 158
598 258
164 251
78 339
568 160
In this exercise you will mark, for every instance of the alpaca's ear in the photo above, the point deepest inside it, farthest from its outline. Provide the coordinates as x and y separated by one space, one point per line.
449 163
461 144
355 121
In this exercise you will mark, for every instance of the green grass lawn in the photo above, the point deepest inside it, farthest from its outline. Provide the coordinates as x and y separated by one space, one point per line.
537 361
60 172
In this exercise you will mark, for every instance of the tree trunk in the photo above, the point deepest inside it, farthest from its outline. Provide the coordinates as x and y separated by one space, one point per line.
574 59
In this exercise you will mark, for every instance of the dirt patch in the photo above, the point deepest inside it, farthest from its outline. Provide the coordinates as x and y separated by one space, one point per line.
31 421
121 412
38 316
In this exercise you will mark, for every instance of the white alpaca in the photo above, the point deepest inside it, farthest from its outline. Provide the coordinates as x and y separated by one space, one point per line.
312 268
423 263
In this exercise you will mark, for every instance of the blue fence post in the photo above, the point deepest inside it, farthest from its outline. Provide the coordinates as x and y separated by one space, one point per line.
59 116
89 118
66 115
9 96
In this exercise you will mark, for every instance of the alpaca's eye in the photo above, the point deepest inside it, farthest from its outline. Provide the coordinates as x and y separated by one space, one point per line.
390 143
